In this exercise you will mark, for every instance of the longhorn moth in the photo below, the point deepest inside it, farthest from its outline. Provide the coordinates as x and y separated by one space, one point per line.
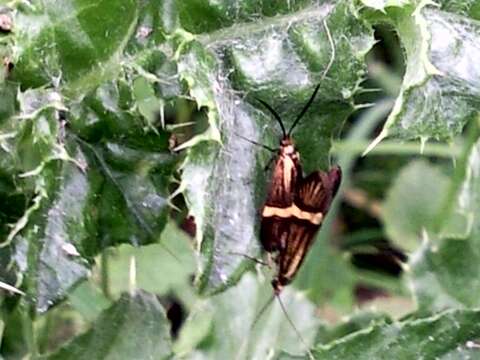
293 212
295 206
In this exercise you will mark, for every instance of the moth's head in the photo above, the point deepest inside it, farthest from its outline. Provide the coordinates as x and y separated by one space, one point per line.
287 147
279 282
277 286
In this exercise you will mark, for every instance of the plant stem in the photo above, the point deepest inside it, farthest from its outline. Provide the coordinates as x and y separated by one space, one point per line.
396 148
450 201
29 331
104 278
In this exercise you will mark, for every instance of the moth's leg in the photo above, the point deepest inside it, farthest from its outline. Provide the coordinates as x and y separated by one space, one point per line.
266 147
267 167
272 259
258 261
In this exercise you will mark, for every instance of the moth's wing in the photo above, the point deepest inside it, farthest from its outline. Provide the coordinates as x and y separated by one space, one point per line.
293 236
298 236
287 172
315 193
273 232
281 193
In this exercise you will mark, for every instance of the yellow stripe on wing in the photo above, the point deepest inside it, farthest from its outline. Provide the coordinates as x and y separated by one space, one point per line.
293 211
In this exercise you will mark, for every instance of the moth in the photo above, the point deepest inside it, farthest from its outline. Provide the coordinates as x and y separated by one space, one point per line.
295 206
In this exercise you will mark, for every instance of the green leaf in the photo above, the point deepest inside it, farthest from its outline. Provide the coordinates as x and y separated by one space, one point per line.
222 328
118 185
92 150
448 335
356 322
88 301
53 258
279 60
198 17
132 187
70 36
55 237
134 327
446 268
43 242
327 277
413 203
157 270
440 89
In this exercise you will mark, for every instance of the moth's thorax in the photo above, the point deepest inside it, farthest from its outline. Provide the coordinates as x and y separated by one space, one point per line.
287 148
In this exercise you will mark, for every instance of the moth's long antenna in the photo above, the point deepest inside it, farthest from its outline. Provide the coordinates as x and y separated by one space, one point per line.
282 306
304 110
261 312
274 113
255 321
332 58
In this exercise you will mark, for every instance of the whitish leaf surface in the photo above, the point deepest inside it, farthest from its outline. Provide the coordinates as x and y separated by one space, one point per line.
440 90
226 325
449 335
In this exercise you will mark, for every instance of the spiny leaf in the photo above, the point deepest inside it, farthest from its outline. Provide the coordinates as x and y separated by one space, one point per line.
440 89
452 334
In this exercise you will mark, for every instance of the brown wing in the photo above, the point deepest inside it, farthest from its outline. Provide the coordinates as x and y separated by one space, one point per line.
316 192
298 235
287 172
313 198
272 233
